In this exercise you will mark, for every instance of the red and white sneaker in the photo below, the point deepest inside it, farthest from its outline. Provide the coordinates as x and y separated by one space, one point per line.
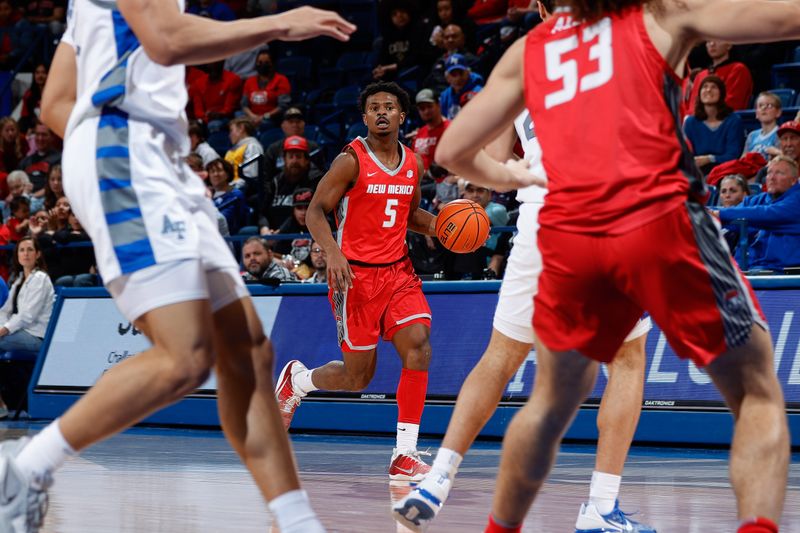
288 397
408 466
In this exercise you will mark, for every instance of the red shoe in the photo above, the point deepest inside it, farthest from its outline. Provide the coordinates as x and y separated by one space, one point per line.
408 466
288 397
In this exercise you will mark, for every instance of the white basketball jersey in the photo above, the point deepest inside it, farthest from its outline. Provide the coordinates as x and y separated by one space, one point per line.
533 153
113 70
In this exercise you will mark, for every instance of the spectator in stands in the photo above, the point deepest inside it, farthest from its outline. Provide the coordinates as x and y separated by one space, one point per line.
488 11
54 189
18 185
17 225
765 140
10 48
229 200
295 223
243 64
449 12
427 137
32 99
319 262
463 85
789 138
58 217
297 174
199 145
773 218
475 264
76 265
292 123
732 190
216 96
734 75
454 43
25 314
259 263
265 94
523 13
13 146
245 148
37 165
715 131
212 9
402 46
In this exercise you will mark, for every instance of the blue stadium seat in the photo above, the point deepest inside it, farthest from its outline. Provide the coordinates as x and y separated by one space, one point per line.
355 130
787 96
755 188
346 101
297 69
797 55
311 132
749 121
267 137
220 141
786 75
713 196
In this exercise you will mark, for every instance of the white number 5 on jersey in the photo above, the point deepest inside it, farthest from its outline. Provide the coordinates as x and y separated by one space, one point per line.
567 71
390 211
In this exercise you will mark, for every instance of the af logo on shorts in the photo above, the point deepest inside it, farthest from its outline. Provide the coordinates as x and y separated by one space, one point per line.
173 226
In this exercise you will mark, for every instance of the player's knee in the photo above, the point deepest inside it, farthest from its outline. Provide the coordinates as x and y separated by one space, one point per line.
190 368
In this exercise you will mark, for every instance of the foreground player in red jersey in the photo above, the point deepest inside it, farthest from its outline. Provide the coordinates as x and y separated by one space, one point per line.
374 186
623 228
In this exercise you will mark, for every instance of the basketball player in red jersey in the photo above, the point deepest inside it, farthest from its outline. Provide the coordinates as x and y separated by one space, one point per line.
374 187
623 228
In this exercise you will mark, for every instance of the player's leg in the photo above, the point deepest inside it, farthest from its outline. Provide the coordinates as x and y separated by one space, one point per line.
617 419
249 413
563 380
759 459
477 401
413 345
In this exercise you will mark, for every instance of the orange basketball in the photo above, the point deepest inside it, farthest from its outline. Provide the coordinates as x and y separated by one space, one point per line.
462 226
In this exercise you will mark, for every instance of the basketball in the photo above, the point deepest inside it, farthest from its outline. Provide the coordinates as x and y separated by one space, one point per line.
462 226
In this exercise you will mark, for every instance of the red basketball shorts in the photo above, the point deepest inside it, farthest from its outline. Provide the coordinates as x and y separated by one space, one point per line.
594 288
382 301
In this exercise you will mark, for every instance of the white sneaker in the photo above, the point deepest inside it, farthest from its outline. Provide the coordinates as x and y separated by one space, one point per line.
591 521
23 502
417 510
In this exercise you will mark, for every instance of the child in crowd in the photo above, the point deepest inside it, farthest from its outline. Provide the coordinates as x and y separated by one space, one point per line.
765 140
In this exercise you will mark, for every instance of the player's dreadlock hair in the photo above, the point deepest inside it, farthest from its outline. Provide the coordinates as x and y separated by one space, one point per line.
385 87
592 10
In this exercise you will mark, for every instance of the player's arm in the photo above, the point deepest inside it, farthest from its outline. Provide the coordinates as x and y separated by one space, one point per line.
331 188
735 21
170 37
502 148
419 220
488 114
60 91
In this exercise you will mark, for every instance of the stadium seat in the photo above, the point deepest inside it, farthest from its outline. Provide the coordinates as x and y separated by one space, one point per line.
713 196
787 96
357 129
749 121
297 69
267 137
220 141
346 101
786 75
311 132
17 367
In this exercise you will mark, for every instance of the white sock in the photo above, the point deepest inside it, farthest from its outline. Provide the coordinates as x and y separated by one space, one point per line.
443 471
294 514
604 491
45 453
302 382
407 435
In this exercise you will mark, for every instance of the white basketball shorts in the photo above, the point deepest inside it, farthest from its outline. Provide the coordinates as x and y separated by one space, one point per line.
514 314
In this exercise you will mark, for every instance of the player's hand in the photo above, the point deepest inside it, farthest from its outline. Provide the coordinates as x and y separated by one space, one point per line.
308 22
520 175
340 275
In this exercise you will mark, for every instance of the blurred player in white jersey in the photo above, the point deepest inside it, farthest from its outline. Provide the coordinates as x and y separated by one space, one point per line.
116 96
511 342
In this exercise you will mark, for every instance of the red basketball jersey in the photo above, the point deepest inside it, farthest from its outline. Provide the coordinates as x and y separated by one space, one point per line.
606 108
372 217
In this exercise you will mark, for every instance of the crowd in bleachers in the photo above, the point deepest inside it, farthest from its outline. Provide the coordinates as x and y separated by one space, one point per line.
265 125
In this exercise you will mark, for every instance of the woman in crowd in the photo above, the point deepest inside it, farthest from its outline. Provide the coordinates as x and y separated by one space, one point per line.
715 131
24 316
53 189
263 93
732 190
32 99
13 146
229 200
